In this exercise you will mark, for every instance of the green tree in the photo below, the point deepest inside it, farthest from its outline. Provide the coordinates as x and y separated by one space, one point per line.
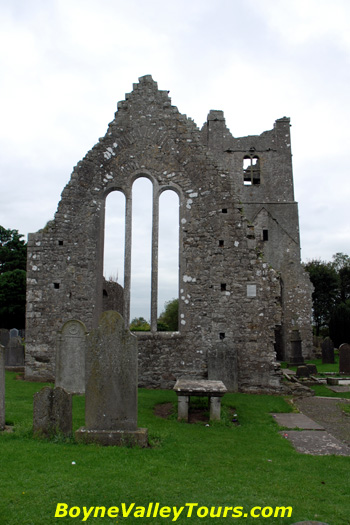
341 263
12 299
13 251
168 320
13 259
339 324
325 279
340 260
139 324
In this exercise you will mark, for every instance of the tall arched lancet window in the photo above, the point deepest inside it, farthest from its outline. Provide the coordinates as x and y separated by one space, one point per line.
113 267
168 260
142 248
141 251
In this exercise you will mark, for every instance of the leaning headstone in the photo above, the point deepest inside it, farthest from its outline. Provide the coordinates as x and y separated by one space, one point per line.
344 359
2 387
111 385
14 352
52 412
70 357
327 351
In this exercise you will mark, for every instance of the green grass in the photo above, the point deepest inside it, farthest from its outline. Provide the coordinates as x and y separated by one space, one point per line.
345 408
218 465
321 368
323 391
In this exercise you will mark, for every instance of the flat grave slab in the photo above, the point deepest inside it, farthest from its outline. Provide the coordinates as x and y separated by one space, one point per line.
317 443
200 387
339 389
293 420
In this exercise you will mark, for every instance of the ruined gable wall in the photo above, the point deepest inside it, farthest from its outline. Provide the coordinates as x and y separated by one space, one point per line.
149 137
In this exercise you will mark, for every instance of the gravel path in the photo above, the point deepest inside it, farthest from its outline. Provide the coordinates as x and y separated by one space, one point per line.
328 413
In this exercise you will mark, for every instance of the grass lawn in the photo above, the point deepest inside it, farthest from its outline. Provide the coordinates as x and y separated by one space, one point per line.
218 465
321 368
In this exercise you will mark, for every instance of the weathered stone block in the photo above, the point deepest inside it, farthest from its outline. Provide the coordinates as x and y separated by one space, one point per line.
312 368
52 412
332 381
302 371
116 438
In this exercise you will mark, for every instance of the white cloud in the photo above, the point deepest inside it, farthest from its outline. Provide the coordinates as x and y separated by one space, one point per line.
66 63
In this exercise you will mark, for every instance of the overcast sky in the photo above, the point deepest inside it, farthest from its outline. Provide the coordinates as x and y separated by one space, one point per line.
64 65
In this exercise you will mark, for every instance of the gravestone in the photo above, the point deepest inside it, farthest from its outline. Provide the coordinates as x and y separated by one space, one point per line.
14 352
14 333
302 371
70 357
327 351
312 368
4 337
333 381
2 387
344 359
111 385
52 412
296 355
222 366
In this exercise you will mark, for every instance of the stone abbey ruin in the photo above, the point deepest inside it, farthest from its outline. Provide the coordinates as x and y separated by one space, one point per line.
242 289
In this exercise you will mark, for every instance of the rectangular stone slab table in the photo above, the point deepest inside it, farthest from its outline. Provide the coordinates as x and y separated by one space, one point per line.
185 388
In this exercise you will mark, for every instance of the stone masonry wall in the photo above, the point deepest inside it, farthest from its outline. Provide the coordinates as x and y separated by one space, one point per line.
270 207
230 297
